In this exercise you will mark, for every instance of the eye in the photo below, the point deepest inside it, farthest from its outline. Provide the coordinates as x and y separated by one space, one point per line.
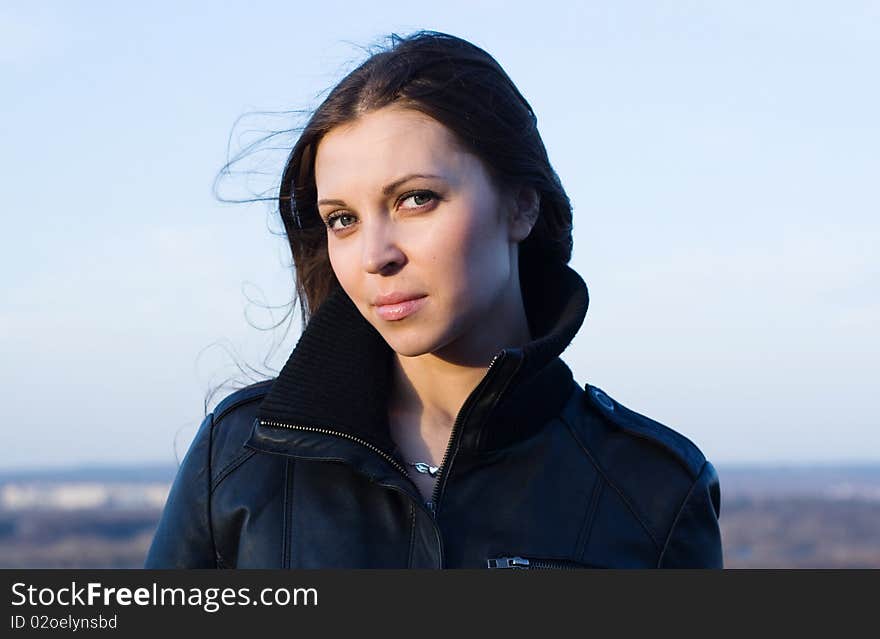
337 216
420 198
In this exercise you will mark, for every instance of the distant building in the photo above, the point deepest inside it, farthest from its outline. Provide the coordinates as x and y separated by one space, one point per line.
54 495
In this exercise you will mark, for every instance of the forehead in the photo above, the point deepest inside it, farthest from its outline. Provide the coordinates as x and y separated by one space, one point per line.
381 146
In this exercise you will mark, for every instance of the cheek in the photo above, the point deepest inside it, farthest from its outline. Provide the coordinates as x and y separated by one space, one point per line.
343 253
480 238
470 249
343 266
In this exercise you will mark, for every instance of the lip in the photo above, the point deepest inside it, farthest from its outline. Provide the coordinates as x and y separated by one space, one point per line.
400 309
395 297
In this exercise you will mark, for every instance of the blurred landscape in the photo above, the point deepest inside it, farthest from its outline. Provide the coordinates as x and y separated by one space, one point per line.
771 517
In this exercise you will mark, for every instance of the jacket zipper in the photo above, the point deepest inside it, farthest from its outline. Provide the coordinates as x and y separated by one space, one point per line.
534 564
435 493
396 464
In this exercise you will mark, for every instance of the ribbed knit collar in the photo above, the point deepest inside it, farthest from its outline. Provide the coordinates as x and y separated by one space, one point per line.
338 376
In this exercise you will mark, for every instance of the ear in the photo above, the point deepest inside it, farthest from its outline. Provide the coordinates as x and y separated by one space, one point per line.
525 205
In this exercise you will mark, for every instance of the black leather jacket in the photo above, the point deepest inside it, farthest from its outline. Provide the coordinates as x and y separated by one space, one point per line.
300 471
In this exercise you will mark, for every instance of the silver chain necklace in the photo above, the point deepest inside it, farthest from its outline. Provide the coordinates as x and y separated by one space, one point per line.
424 467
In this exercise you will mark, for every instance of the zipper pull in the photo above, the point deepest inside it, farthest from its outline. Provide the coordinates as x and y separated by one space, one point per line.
430 506
508 562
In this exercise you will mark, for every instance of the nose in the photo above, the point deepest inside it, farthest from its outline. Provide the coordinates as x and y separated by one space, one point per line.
381 251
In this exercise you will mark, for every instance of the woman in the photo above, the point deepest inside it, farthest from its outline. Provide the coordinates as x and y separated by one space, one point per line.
425 418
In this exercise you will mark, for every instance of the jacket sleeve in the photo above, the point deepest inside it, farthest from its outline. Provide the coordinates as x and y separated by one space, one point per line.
694 540
184 538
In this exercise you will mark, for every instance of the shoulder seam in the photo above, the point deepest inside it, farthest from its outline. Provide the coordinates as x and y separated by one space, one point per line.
678 514
613 485
230 467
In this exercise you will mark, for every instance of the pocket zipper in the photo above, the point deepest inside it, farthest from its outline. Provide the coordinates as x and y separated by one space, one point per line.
524 563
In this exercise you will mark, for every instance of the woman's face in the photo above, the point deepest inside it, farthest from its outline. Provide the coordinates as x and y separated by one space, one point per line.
411 212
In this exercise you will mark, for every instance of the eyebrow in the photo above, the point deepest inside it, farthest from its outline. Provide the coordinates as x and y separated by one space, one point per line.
388 188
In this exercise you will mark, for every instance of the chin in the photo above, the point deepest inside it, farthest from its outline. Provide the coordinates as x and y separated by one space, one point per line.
411 345
419 338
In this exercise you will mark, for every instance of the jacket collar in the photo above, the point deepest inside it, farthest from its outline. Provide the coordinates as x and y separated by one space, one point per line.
337 379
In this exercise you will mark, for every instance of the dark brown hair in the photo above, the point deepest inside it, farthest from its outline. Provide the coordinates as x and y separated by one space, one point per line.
462 87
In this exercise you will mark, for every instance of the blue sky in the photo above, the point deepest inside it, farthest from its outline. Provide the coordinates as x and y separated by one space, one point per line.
721 157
